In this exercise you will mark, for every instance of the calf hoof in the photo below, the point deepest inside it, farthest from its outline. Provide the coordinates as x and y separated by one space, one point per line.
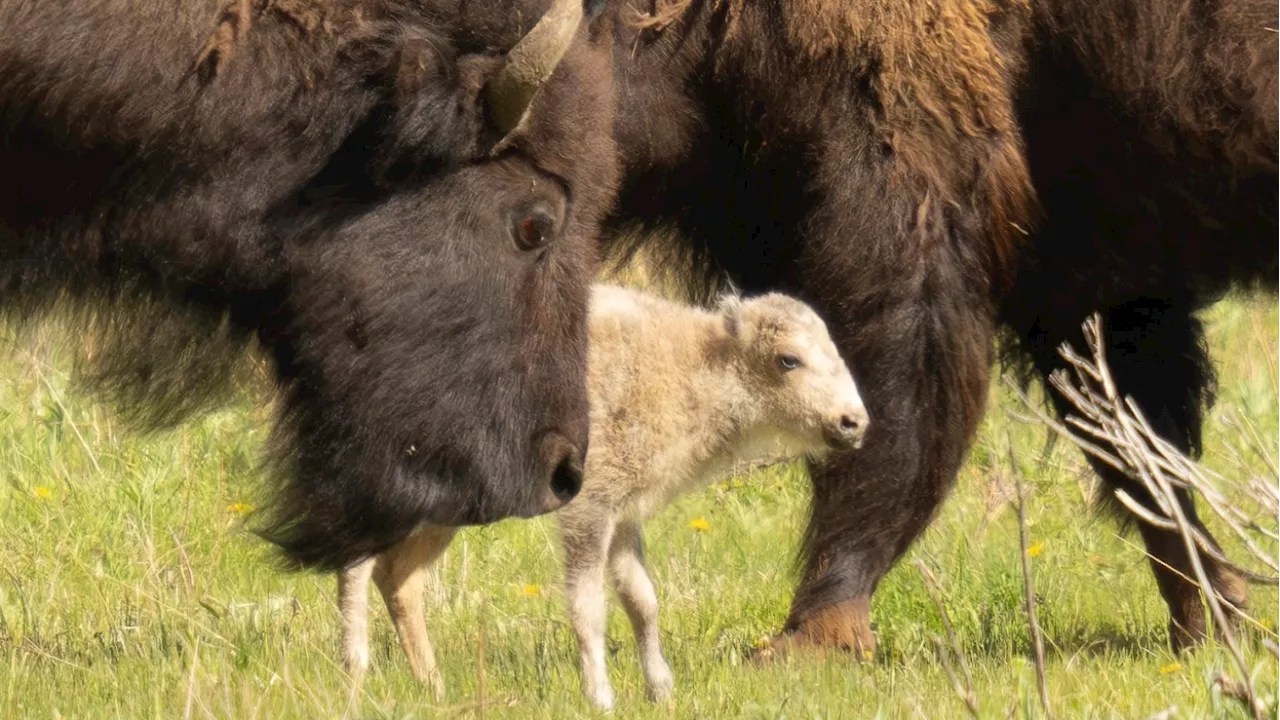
602 699
844 627
435 683
356 663
660 686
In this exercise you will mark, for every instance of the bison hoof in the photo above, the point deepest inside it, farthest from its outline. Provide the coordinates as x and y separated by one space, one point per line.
843 627
792 643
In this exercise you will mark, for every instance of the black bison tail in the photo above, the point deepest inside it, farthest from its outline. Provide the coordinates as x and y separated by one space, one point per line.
921 353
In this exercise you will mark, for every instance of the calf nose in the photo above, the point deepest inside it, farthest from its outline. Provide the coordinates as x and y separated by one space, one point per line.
853 426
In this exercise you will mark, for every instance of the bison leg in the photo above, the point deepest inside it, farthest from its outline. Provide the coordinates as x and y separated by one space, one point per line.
400 574
921 354
1157 357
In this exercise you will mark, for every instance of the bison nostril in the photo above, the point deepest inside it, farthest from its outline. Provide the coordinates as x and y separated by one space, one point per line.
849 424
566 481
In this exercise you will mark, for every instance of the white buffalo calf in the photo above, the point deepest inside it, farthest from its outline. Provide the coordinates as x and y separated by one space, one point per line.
679 396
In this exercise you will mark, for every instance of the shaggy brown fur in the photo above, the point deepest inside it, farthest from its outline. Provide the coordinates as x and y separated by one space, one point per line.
328 190
891 201
1152 139
878 158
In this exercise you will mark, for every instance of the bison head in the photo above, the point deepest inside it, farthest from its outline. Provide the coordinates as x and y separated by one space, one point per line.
432 330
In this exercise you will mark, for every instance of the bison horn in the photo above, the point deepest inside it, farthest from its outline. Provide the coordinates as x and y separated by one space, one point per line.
530 63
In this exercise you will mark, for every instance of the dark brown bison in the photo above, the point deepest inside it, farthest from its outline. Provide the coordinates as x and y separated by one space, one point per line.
926 172
396 200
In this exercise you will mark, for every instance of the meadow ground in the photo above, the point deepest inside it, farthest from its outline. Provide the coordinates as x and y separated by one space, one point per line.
130 586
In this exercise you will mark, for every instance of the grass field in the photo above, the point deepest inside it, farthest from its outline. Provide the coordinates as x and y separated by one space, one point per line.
130 587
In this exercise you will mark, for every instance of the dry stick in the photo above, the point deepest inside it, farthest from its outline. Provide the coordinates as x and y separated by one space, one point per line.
1142 447
1159 467
191 680
1123 466
1093 333
965 691
1275 649
480 699
1037 639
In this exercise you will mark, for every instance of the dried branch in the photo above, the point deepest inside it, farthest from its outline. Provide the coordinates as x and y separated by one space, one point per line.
965 689
480 666
1114 430
1037 638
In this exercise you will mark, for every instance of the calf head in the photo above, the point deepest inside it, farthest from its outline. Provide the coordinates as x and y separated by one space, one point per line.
433 336
794 372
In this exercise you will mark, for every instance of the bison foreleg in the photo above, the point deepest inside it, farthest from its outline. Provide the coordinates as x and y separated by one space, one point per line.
922 357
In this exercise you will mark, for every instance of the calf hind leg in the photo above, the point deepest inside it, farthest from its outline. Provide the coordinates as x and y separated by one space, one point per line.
636 591
400 574
586 542
1156 354
353 608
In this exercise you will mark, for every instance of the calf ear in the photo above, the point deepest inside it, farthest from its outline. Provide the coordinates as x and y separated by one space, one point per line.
730 309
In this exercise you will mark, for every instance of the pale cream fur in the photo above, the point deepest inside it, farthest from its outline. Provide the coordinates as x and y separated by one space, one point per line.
680 397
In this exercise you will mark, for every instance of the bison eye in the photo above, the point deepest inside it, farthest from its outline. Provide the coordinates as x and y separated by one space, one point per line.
788 362
532 230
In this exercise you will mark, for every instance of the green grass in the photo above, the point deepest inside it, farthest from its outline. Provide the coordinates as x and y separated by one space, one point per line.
129 586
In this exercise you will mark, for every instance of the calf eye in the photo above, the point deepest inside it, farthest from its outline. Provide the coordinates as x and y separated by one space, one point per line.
789 362
532 230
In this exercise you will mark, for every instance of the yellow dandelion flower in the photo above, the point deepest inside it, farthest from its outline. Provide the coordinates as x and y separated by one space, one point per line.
1171 668
531 590
42 492
700 525
239 508
1035 550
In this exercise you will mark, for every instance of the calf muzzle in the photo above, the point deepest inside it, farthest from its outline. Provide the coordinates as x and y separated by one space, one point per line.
849 429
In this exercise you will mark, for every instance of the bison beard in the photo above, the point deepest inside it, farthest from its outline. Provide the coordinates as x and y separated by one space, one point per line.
878 159
326 179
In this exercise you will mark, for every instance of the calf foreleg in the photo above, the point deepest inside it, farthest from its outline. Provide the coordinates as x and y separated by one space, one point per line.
353 606
586 542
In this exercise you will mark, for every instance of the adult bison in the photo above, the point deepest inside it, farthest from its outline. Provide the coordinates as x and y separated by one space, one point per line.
927 171
396 200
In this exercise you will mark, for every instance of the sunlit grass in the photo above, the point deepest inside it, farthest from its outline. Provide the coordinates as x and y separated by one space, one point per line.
129 586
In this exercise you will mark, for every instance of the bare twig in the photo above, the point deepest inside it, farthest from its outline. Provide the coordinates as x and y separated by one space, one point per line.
191 680
1120 436
1242 692
965 689
966 695
1270 645
1037 638
480 643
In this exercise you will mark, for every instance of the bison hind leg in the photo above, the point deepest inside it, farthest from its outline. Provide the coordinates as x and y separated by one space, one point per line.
1157 355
